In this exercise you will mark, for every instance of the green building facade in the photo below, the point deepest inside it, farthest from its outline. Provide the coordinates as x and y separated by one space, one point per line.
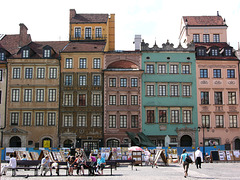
169 99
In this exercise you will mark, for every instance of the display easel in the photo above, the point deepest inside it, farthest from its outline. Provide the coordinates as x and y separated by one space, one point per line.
137 156
20 155
34 155
222 156
44 153
58 156
236 155
229 155
159 158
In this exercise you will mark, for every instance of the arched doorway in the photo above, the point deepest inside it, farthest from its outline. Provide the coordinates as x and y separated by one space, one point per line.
15 141
67 143
186 141
112 143
237 144
46 143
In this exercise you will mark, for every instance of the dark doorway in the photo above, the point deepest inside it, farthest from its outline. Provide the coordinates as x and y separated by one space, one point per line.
237 144
67 143
186 141
15 141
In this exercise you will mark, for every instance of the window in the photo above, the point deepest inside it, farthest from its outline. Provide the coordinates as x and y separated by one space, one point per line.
150 69
15 95
186 90
96 121
96 99
217 73
174 116
231 73
82 80
196 38
204 97
16 73
68 100
123 82
162 90
28 73
26 119
28 95
150 116
40 95
82 100
219 121
0 75
214 52
228 52
112 82
77 32
53 73
112 121
162 116
134 121
25 53
201 52
0 97
2 56
47 53
123 100
39 119
96 63
206 38
185 69
52 95
96 80
233 121
216 38
82 63
187 116
174 90
68 80
134 82
173 69
81 121
14 118
88 33
68 63
123 121
98 32
67 121
150 90
134 99
112 100
218 98
206 121
162 69
51 119
231 97
203 73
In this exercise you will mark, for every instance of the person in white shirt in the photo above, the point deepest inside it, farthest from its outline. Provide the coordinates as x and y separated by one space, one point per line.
147 156
198 155
12 164
45 165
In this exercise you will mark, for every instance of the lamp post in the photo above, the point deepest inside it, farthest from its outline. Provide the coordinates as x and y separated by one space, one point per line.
199 129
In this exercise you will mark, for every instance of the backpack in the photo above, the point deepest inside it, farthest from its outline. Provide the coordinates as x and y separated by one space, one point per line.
188 159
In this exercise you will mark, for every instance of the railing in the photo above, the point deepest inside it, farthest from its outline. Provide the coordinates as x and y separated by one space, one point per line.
90 37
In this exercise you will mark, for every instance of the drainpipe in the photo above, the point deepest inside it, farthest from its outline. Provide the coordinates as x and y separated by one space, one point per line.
59 100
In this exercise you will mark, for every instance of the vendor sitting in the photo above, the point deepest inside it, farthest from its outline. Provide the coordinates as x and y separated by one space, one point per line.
100 164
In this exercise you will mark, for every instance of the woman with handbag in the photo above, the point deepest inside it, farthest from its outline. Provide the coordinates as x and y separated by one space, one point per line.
185 159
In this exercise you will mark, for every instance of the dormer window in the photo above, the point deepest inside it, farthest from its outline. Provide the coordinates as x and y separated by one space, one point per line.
216 38
2 56
214 52
228 52
77 32
201 52
98 32
88 33
46 53
25 53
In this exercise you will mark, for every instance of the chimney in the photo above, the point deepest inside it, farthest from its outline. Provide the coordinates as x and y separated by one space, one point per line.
217 13
72 13
23 36
137 42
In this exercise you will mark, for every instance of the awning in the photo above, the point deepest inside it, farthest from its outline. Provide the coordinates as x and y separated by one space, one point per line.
145 141
131 135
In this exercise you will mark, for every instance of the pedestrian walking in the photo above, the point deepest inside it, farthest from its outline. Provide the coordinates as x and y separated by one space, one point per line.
184 161
198 158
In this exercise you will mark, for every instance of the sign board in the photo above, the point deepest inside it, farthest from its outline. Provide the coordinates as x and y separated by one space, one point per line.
222 156
214 155
229 155
236 155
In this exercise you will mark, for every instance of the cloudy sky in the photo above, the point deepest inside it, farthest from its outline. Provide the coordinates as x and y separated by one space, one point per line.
48 20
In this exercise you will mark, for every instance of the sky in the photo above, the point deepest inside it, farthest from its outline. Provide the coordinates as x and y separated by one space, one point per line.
154 20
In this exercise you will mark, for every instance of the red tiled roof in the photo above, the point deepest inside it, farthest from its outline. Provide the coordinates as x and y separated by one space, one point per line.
204 20
123 65
89 18
84 47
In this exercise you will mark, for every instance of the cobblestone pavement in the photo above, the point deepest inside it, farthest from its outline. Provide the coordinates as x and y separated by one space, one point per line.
210 171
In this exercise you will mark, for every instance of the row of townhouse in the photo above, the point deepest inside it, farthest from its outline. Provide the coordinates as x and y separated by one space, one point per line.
82 92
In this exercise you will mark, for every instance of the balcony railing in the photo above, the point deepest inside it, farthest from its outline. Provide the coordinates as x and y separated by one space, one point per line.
93 37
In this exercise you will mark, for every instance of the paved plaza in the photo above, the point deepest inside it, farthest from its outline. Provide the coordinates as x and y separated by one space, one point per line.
210 171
